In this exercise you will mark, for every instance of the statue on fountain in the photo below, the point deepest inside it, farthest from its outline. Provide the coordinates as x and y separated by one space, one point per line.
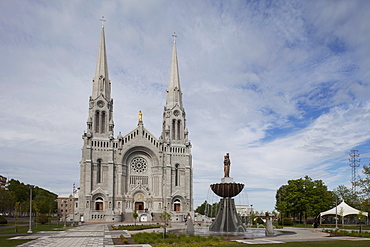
227 164
227 219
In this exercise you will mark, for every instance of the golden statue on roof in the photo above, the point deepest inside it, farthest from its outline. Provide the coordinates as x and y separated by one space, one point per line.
140 116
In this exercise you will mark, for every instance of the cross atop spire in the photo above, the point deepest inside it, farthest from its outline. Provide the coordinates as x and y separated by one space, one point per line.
102 21
174 37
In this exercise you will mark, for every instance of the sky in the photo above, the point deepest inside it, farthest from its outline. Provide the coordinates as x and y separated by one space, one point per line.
283 86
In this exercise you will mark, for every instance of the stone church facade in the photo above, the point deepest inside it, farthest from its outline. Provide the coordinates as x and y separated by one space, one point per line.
137 171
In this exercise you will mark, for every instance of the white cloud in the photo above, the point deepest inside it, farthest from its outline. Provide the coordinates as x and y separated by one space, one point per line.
282 86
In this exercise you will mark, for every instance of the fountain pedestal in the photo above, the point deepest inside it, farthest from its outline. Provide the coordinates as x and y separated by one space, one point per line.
227 219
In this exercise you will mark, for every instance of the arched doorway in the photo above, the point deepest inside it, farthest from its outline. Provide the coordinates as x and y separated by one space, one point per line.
139 202
139 206
99 204
177 205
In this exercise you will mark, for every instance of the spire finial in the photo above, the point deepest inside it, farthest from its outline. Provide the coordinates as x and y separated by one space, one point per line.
174 37
102 21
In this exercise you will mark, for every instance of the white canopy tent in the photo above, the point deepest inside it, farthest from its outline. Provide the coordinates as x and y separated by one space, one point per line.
343 209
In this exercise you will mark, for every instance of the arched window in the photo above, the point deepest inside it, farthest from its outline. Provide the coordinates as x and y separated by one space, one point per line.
98 171
173 129
177 175
97 119
178 130
103 122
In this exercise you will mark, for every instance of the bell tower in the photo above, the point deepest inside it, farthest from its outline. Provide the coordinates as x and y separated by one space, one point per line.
100 121
177 158
174 122
97 163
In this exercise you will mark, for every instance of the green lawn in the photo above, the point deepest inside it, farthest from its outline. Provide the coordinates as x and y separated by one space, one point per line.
329 226
341 243
6 242
35 228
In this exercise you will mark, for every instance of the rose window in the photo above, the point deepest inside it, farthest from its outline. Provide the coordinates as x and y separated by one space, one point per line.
138 165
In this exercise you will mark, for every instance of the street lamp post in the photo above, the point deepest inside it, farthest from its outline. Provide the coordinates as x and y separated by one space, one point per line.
65 209
30 223
250 217
336 212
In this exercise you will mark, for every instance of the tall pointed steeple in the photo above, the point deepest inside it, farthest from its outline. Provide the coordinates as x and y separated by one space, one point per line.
101 82
174 122
174 94
100 120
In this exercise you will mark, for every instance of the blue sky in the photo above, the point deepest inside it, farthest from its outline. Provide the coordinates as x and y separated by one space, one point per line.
283 86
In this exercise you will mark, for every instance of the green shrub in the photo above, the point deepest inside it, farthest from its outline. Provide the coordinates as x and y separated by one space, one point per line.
42 219
177 240
3 220
135 228
124 240
286 222
259 221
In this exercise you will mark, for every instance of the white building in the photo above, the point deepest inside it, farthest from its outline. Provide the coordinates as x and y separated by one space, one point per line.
68 206
136 171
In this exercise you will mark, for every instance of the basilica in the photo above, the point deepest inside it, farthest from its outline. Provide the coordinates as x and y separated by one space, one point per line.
135 172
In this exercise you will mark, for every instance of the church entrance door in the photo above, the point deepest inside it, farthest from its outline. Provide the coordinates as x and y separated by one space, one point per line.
139 206
176 205
99 206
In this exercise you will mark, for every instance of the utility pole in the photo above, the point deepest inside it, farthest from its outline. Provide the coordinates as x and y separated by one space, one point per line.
354 163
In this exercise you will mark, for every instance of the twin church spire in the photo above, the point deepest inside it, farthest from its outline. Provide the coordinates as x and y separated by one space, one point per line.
100 119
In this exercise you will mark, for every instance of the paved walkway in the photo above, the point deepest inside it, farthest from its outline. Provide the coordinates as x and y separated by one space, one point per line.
86 235
292 234
99 235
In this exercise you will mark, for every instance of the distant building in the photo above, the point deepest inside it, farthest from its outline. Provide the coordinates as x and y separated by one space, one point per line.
3 182
68 206
244 212
137 171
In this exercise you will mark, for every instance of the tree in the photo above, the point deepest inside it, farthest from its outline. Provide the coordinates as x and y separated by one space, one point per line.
202 208
345 194
6 201
207 209
364 183
303 198
165 217
364 192
43 200
20 191
135 215
16 215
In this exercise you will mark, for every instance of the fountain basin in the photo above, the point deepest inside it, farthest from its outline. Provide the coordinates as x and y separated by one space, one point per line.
204 231
227 189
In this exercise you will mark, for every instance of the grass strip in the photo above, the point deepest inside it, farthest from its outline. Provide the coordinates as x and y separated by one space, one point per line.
35 228
6 242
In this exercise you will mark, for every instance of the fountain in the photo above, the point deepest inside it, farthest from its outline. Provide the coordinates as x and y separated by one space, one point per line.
227 222
227 219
